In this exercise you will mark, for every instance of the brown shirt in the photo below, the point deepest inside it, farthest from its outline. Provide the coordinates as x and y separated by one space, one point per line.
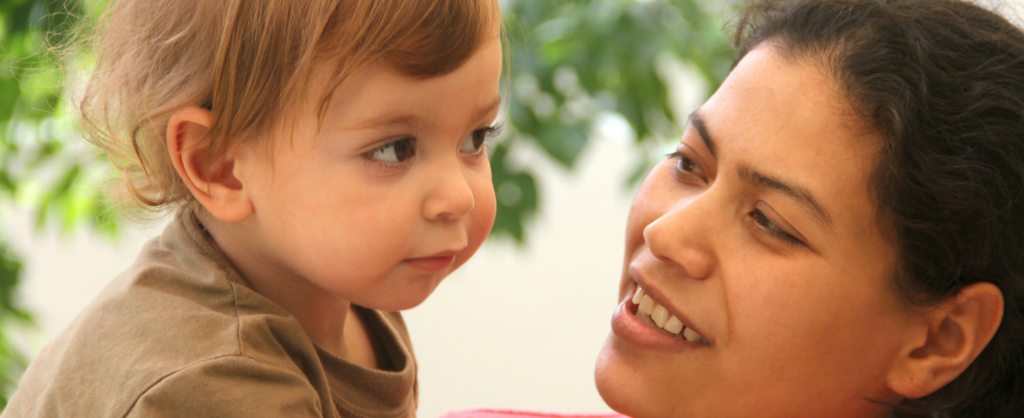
180 334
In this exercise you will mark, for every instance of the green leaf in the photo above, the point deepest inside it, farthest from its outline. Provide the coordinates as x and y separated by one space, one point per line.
613 46
10 275
563 142
9 93
6 184
516 193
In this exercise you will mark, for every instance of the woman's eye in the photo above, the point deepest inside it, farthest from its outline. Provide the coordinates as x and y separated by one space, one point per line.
474 143
772 228
395 152
685 164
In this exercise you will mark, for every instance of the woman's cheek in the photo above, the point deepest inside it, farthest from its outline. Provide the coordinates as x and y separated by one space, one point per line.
650 203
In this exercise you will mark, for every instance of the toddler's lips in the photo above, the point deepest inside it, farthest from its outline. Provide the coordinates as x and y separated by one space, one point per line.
433 263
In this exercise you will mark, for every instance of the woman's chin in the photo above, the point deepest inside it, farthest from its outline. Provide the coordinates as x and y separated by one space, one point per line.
631 372
633 384
617 382
605 378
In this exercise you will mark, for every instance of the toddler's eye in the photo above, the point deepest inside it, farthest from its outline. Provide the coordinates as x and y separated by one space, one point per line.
394 152
472 144
475 142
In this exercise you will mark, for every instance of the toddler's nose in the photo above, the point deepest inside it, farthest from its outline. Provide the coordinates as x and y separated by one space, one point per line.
450 196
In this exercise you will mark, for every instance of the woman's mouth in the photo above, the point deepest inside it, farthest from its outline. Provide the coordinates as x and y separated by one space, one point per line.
648 325
654 315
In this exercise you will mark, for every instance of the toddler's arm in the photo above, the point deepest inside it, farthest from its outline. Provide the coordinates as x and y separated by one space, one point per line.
230 386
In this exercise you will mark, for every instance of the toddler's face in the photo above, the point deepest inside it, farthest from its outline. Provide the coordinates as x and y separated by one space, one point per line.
391 194
759 236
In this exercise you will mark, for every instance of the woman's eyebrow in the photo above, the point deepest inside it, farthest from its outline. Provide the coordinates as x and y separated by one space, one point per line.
796 192
697 122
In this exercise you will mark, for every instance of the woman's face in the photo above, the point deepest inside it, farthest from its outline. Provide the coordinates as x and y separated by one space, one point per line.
760 236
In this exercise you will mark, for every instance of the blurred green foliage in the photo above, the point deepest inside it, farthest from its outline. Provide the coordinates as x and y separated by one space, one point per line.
575 61
12 360
572 62
42 164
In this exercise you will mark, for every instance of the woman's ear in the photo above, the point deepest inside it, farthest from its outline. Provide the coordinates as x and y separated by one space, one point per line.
950 338
210 178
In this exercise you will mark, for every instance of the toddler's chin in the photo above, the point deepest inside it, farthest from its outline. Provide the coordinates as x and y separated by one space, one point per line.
398 299
396 306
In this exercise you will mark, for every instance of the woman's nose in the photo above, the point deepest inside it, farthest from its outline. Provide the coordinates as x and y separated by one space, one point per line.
683 235
450 196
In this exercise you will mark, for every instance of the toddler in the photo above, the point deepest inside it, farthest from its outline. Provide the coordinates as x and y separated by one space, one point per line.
325 160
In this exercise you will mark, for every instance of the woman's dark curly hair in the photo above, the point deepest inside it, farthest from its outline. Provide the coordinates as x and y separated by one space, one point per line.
942 82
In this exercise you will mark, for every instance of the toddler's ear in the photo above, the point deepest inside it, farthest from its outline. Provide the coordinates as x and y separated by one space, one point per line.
210 178
948 339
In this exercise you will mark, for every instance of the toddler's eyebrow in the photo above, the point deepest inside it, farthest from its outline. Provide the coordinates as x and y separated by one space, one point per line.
389 119
412 120
484 111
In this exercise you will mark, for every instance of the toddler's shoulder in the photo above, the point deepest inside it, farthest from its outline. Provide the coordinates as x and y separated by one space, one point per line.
178 321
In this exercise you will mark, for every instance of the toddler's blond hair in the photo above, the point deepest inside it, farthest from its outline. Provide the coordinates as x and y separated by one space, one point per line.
247 61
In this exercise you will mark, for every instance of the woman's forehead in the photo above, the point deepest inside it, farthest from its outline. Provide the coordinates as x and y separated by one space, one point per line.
789 121
782 96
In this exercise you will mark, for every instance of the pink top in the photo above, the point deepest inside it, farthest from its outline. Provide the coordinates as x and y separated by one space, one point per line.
495 413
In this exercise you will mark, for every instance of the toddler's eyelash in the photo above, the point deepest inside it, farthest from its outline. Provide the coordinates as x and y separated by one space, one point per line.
368 156
493 131
484 137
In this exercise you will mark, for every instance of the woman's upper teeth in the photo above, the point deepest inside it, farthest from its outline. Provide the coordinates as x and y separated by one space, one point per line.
662 318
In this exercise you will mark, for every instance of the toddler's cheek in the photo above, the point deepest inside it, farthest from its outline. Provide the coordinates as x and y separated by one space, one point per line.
479 224
488 208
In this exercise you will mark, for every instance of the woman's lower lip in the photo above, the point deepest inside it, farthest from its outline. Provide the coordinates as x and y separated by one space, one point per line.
431 263
627 327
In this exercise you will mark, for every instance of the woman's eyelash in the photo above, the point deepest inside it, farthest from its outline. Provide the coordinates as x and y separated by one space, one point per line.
762 220
773 229
686 164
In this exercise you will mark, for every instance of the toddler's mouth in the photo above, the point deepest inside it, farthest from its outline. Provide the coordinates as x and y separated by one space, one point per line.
436 262
657 317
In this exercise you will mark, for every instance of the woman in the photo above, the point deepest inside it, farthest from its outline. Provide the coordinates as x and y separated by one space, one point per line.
840 232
